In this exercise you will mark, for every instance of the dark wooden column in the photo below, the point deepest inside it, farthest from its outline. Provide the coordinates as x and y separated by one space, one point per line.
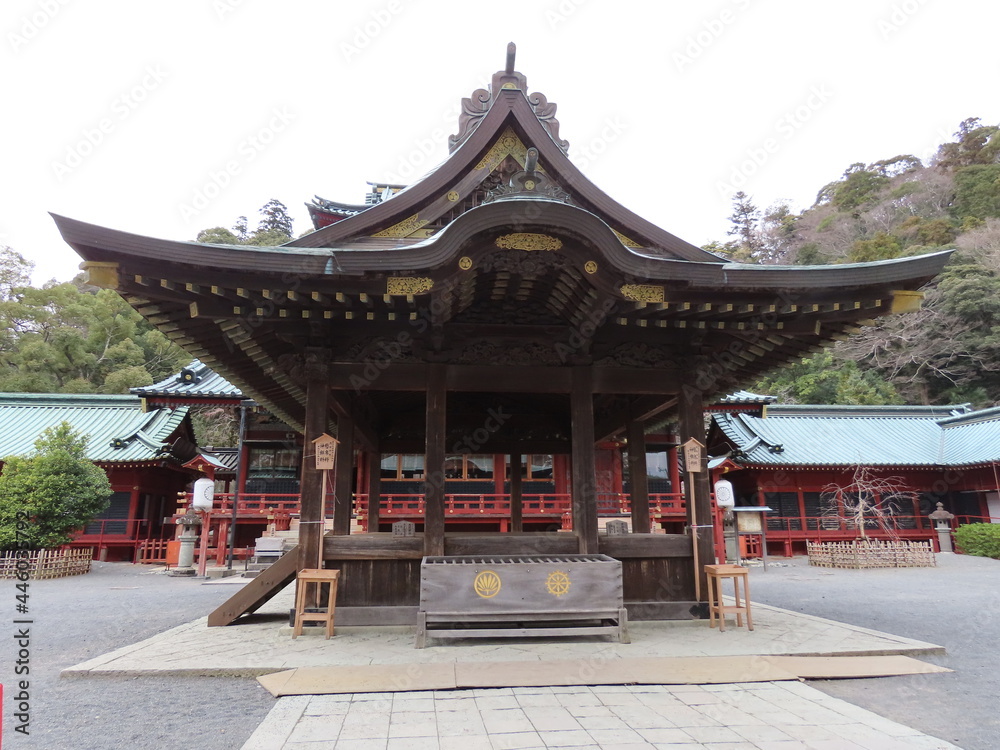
638 475
374 489
434 455
343 484
516 508
584 474
311 486
692 425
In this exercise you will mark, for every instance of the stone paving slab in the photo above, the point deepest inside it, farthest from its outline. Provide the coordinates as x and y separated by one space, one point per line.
740 716
263 645
754 716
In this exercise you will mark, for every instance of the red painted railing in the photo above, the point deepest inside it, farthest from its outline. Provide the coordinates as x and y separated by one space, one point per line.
962 520
109 530
784 531
496 506
262 503
609 503
831 524
466 504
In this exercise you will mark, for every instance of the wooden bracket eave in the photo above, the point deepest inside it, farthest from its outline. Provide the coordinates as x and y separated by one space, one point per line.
905 301
102 274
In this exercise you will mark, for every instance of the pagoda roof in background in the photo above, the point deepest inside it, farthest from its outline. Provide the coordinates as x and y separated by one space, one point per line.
119 431
830 435
196 383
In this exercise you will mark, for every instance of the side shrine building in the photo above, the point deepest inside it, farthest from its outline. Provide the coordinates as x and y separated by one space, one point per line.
502 304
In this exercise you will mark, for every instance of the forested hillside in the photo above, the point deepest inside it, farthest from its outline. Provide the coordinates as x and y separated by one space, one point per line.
74 338
950 350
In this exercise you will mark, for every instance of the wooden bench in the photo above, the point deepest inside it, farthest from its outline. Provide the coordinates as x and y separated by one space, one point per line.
518 596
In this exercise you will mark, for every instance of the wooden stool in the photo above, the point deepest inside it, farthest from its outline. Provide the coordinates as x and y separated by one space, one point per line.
715 575
317 577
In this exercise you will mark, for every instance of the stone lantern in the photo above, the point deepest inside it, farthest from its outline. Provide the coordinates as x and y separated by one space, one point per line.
189 524
942 525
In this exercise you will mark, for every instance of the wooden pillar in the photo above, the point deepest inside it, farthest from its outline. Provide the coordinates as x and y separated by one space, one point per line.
343 483
311 485
638 476
699 501
434 456
584 473
516 506
674 469
374 490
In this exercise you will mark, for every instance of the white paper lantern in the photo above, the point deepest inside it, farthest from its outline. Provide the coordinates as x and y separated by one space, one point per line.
204 494
724 496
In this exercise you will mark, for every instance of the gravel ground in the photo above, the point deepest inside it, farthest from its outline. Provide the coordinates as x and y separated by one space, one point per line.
78 618
956 605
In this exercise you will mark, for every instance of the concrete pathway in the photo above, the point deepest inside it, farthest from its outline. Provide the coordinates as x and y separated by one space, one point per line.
762 716
264 645
767 716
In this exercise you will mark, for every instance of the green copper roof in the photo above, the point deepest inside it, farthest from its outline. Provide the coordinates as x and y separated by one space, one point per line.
119 431
197 380
870 435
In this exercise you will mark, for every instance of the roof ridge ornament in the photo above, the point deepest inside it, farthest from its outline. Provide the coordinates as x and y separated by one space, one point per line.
529 182
475 107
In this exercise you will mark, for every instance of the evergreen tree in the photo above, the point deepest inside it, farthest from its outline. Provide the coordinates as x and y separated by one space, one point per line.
274 220
46 497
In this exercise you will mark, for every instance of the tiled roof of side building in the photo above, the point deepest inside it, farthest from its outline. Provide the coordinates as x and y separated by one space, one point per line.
197 380
870 435
746 397
119 431
971 438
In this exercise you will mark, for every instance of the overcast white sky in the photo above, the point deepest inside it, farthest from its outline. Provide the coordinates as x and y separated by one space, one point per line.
124 112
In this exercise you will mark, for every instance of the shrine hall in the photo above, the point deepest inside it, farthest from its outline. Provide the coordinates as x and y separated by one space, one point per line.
500 305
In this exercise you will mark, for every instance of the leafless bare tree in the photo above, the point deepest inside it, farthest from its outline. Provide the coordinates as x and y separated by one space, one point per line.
868 499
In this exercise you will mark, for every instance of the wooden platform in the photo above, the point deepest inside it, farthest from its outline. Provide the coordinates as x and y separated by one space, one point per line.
381 572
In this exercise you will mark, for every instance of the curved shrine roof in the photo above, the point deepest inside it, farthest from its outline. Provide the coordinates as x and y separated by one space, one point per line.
503 255
119 431
804 435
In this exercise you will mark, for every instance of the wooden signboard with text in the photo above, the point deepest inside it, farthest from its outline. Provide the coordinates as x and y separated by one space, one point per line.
693 451
326 452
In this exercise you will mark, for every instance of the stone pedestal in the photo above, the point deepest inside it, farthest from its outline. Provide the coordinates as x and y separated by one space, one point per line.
188 537
942 525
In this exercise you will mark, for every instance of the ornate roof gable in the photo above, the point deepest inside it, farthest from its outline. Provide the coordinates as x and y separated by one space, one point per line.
475 107
490 151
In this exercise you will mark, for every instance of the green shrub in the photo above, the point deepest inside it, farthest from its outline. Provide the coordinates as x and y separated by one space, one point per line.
982 539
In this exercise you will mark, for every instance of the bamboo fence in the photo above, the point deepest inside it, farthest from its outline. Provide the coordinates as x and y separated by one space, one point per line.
46 563
871 553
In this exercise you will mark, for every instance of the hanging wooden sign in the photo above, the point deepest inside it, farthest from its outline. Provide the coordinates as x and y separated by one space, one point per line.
326 452
693 451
